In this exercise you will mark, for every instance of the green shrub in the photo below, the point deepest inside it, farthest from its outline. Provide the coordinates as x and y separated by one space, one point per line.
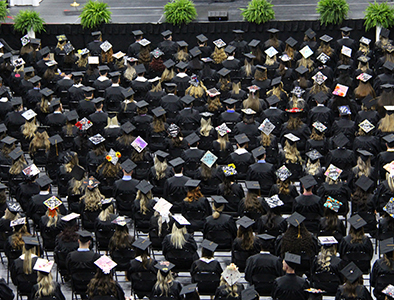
3 10
378 14
94 13
258 11
180 12
27 20
332 11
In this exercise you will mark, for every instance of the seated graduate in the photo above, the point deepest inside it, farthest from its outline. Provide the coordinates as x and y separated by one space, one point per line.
45 287
166 286
353 287
229 288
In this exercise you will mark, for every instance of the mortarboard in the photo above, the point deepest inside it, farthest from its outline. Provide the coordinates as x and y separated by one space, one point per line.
389 291
18 62
271 51
161 154
327 240
333 172
128 165
245 222
344 110
283 173
201 38
346 51
364 77
14 207
333 204
266 237
97 139
127 127
142 244
206 114
291 137
241 139
252 185
364 59
388 65
319 78
273 30
128 93
387 246
176 162
55 102
173 130
273 201
223 129
229 170
55 140
105 46
163 207
310 33
164 266
43 181
340 140
276 81
9 140
77 172
291 42
96 33
326 38
219 200
44 51
295 219
98 100
46 92
219 43
254 43
306 52
229 49
248 111
364 154
384 32
301 70
389 207
105 263
25 40
206 59
144 186
180 220
139 144
249 55
357 221
340 90
158 111
182 44
224 72
16 101
192 183
346 29
142 104
20 221
3 128
366 126
230 101
253 88
209 245
68 48
319 126
364 183
51 63
43 265
368 101
195 52
118 55
323 58
351 272
84 124
52 203
314 155
181 65
30 242
166 33
144 42
84 235
91 183
113 157
7 55
258 152
140 69
238 31
29 114
292 260
308 181
137 32
157 53
192 138
169 63
16 153
231 274
187 99
213 92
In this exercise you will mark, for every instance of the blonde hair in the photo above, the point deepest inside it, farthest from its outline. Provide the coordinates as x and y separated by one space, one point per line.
144 201
206 127
265 139
219 55
214 104
130 73
306 62
39 141
44 104
390 182
216 211
231 289
269 61
46 287
92 199
82 61
277 90
160 168
291 153
252 102
324 257
105 214
364 167
164 282
178 236
27 261
52 220
196 91
386 123
29 128
312 168
316 88
222 140
18 166
76 186
248 67
167 75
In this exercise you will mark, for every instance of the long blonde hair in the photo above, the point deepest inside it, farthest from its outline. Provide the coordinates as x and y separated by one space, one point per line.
252 102
196 91
130 73
160 168
92 199
248 67
144 201
27 261
167 75
291 153
178 236
18 166
105 214
29 128
324 257
39 141
163 283
222 140
219 55
206 127
364 167
386 124
306 62
231 289
52 220
312 168
46 286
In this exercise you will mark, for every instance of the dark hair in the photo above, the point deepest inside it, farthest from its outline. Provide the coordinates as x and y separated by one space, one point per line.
102 285
297 240
69 234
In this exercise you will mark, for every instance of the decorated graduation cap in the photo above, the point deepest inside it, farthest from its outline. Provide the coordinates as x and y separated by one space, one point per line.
389 207
43 265
91 183
292 260
340 140
283 173
142 244
16 153
121 221
319 78
52 203
105 263
139 144
213 92
14 207
291 137
306 52
219 43
344 110
173 130
327 240
346 51
363 59
97 139
157 53
30 242
333 204
144 42
119 55
351 272
31 171
326 38
231 274
209 245
389 291
271 52
84 236
366 126
113 157
84 124
273 201
340 90
209 159
163 207
364 77
245 222
18 222
357 221
266 127
333 172
164 267
313 155
229 170
223 129
93 60
180 220
319 126
323 58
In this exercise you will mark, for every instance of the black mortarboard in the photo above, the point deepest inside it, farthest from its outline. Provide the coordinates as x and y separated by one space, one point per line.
346 29
9 140
7 55
272 100
159 111
182 44
308 181
169 63
292 260
117 74
252 185
77 172
326 38
195 52
351 272
291 42
16 101
209 245
161 154
201 38
137 32
266 237
364 154
254 43
127 127
77 74
310 33
30 242
206 114
96 33
142 104
219 200
187 289
176 162
364 183
313 155
103 68
88 89
84 236
229 49
142 244
230 101
368 101
276 80
29 70
258 152
128 92
16 153
295 219
187 99
98 100
144 186
249 55
389 139
166 33
55 139
139 69
340 140
273 30
301 70
44 51
245 222
388 65
46 92
320 97
128 165
55 102
164 266
357 222
384 32
242 139
192 138
387 246
250 294
192 183
43 181
224 72
181 65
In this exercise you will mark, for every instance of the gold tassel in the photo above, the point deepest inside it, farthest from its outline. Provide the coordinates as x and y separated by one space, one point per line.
57 153
299 230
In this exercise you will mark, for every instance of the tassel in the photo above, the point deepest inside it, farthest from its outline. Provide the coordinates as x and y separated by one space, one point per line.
299 231
52 213
57 152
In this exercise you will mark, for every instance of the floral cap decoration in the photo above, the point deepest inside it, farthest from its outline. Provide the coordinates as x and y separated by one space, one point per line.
84 124
113 156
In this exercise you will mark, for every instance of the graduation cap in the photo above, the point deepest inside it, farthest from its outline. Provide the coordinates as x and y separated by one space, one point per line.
388 65
219 200
139 69
326 38
3 128
158 111
46 92
209 245
128 165
340 140
292 260
96 33
195 52
137 32
230 101
314 155
51 63
163 207
29 114
142 244
258 152
340 90
44 51
44 181
357 221
346 51
181 65
43 265
219 43
248 111
54 103
192 138
252 185
84 51
144 186
113 157
161 154
121 221
249 56
55 140
157 53
128 92
119 55
91 183
182 44
319 126
169 63
201 38
9 140
180 220
187 99
223 129
327 240
364 77
387 246
16 153
231 274
364 183
319 78
224 72
68 48
389 207
266 237
192 183
206 115
310 33
229 170
105 46
273 201
368 101
52 203
16 101
364 154
18 222
127 127
301 70
213 92
291 137
77 172
271 51
139 144
176 162
295 219
323 58
241 139
84 236
30 242
105 263
18 62
273 30
164 267
308 181
144 42
283 173
245 222
166 33
364 59
25 40
333 172
306 52
97 139
333 204
206 59
291 42
351 272
389 139
173 130
389 291
344 110
230 49
276 81
14 207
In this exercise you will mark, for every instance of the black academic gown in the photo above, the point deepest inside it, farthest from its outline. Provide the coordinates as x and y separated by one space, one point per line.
290 287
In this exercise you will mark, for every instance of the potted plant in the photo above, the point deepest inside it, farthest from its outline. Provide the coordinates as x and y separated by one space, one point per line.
332 11
29 21
180 12
378 15
95 13
258 11
3 10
